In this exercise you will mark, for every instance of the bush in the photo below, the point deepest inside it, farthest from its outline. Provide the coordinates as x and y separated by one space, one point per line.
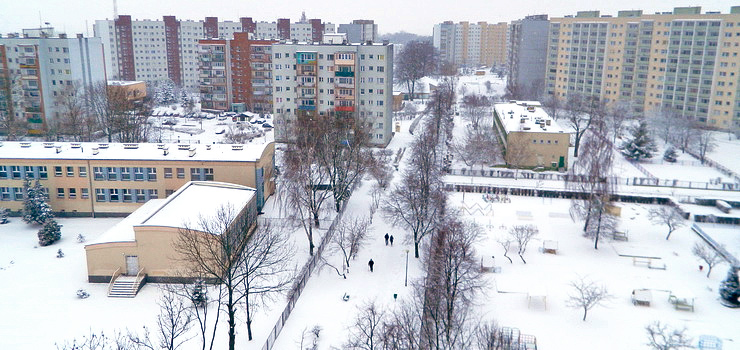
50 233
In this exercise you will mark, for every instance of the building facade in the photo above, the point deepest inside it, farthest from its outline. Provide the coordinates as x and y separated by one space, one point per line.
471 45
531 138
152 50
85 179
35 70
682 61
326 79
360 30
235 74
527 53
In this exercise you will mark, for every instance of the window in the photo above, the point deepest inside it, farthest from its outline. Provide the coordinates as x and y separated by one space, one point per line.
167 173
194 174
112 173
85 193
180 173
72 193
98 173
60 193
167 193
125 174
29 172
18 193
5 193
82 170
380 69
209 174
15 171
114 195
3 172
153 194
128 196
57 171
151 174
140 196
99 195
139 174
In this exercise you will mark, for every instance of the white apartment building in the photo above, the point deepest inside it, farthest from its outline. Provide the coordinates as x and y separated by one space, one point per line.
471 44
151 50
40 68
333 78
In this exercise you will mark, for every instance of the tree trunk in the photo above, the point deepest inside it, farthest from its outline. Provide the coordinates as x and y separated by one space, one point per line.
316 219
585 310
521 257
709 270
578 143
232 320
598 232
416 248
669 235
249 315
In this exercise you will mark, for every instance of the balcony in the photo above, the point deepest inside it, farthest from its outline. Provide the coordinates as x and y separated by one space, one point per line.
306 83
344 85
33 109
339 96
307 108
344 108
344 74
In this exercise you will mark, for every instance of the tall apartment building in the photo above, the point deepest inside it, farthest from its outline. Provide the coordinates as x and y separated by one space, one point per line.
471 44
235 74
527 53
34 70
330 78
151 50
360 30
683 61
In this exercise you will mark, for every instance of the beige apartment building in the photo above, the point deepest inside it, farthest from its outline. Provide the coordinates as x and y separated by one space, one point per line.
531 138
101 179
682 61
472 44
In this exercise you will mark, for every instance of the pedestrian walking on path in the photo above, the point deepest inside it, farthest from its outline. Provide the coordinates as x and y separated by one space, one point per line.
391 240
386 239
371 263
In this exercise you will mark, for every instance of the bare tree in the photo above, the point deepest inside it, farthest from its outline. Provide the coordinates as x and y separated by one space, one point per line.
416 60
350 235
12 105
704 142
477 108
380 167
477 147
365 332
553 106
265 269
74 120
707 254
667 216
174 320
616 118
580 113
506 244
662 337
586 294
522 234
213 248
488 336
517 152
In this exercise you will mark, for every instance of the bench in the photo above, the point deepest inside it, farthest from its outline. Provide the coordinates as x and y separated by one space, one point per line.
620 236
684 302
642 297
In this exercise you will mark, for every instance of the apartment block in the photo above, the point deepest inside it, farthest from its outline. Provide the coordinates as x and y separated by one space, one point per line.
235 74
114 179
151 50
682 61
360 30
527 51
333 78
471 45
36 69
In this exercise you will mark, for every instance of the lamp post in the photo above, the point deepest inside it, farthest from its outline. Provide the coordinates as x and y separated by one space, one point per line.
406 279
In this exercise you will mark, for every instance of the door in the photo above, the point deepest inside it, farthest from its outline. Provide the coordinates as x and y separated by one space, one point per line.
561 163
132 265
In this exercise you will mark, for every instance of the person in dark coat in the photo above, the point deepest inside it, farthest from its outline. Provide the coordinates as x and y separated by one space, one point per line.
371 263
386 239
391 240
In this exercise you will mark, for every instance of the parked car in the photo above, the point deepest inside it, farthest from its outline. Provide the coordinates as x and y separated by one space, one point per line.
267 126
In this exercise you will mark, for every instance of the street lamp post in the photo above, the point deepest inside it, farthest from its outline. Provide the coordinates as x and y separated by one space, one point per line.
406 279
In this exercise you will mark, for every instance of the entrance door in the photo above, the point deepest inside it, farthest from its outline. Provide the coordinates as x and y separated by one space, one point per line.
132 265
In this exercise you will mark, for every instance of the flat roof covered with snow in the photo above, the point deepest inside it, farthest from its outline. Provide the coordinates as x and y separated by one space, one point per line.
134 151
124 230
200 199
525 116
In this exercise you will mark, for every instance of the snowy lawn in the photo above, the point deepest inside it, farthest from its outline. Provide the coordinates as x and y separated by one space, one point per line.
618 325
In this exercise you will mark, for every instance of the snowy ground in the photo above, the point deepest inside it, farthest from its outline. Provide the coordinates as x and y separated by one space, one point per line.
726 151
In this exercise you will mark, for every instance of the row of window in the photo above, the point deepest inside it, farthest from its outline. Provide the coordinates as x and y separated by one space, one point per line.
127 195
103 173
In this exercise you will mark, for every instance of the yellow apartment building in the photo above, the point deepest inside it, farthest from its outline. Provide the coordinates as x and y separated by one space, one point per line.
114 179
682 61
531 138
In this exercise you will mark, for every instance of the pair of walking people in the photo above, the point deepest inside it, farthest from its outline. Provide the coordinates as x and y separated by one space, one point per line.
388 238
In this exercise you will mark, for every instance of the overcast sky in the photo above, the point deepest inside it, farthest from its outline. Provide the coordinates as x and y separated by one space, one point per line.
391 15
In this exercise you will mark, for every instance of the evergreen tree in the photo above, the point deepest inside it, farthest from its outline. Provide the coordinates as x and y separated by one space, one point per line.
670 154
641 145
35 208
729 289
50 233
4 215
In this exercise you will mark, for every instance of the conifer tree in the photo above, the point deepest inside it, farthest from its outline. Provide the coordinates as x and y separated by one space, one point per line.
729 289
35 208
641 145
50 233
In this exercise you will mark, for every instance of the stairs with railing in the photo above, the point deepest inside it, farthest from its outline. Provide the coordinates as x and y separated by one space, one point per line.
125 286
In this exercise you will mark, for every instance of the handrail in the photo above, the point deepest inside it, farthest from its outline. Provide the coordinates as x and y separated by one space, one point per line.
113 278
136 285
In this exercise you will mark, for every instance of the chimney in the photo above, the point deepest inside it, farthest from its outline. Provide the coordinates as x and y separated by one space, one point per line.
62 36
386 42
79 35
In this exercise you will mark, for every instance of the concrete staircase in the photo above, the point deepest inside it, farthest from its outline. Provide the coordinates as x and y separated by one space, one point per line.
124 287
